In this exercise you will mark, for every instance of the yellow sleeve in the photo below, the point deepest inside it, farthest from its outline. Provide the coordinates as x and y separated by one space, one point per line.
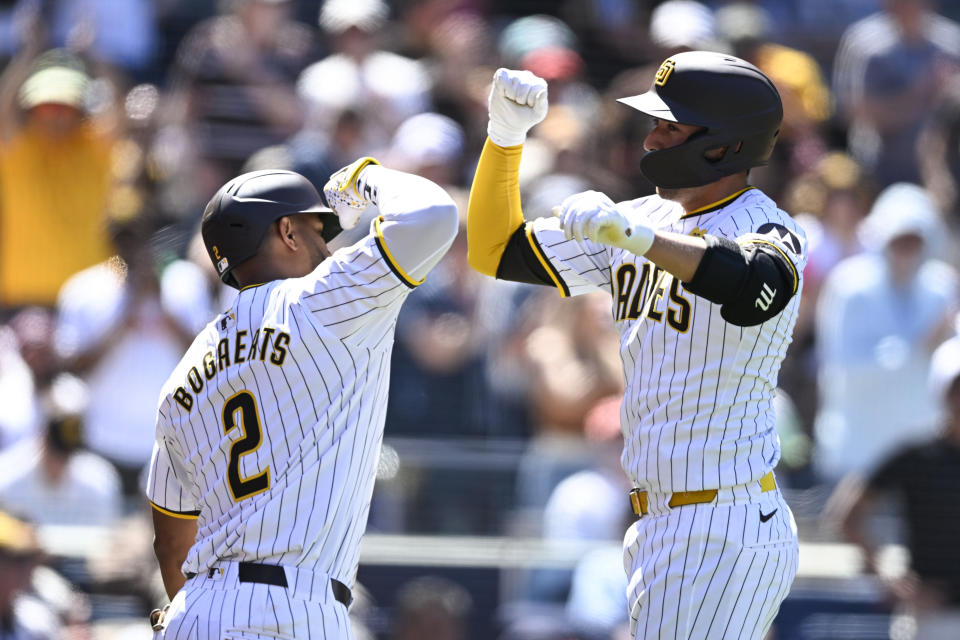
493 213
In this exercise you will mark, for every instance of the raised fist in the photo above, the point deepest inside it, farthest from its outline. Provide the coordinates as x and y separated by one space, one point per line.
518 101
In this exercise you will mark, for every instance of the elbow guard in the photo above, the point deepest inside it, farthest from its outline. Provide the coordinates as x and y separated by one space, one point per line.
752 284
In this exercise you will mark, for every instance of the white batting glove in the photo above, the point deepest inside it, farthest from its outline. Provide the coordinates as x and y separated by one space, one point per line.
591 215
348 194
518 101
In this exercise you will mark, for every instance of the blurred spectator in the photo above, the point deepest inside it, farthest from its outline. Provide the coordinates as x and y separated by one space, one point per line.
572 360
116 318
23 616
613 34
590 506
439 363
829 202
597 604
430 145
19 417
569 361
383 88
938 152
889 69
28 364
547 46
232 89
683 25
441 387
462 58
54 179
796 443
926 479
806 98
431 607
51 479
879 317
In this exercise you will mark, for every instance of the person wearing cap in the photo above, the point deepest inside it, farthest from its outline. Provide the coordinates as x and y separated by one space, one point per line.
706 277
52 479
55 179
879 315
379 87
925 478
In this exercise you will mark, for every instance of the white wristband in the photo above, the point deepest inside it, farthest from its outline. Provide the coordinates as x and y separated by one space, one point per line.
505 136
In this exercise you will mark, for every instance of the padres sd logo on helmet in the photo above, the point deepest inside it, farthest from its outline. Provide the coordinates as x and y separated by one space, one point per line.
735 103
663 73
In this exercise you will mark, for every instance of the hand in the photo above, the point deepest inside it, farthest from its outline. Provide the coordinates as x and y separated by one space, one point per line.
518 101
591 215
157 622
346 196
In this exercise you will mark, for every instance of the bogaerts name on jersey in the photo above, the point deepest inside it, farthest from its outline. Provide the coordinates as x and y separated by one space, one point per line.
264 345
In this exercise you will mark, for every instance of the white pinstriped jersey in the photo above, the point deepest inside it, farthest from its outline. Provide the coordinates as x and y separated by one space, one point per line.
698 406
269 429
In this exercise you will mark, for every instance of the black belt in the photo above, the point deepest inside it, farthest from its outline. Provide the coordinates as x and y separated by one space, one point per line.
275 575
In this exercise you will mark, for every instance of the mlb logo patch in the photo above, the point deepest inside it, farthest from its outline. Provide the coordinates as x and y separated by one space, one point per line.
222 265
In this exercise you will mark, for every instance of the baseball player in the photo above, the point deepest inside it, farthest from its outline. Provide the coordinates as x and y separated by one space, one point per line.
705 277
269 429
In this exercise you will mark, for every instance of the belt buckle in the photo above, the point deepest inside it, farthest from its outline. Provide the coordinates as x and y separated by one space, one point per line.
638 500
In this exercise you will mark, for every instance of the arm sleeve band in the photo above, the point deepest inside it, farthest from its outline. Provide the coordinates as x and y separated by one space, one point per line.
520 262
417 225
493 213
752 284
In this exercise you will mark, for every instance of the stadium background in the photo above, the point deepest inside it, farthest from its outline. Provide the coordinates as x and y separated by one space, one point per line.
499 504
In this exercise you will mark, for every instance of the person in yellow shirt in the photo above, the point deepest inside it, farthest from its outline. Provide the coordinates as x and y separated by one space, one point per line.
54 180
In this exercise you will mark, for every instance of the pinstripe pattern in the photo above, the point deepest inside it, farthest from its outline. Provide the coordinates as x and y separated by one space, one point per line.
314 355
247 611
698 410
710 571
697 414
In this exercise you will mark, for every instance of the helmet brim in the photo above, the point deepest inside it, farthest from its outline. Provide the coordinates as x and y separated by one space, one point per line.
651 104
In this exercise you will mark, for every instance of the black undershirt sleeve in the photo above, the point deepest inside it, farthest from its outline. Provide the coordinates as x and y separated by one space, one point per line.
519 263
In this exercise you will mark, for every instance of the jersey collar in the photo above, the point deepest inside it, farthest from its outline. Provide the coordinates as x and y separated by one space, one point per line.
719 204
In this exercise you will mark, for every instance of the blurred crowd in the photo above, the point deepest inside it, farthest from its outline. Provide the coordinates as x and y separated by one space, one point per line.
119 119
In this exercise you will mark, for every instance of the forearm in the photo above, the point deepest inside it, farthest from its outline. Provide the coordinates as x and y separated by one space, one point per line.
173 578
494 212
173 537
419 219
677 254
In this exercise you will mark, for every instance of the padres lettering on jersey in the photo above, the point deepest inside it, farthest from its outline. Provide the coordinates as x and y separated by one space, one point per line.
698 402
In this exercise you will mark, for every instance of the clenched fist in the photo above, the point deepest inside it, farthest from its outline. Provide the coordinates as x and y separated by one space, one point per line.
518 101
345 195
591 215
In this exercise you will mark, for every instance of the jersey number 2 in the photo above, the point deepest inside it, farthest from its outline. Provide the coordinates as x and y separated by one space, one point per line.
240 412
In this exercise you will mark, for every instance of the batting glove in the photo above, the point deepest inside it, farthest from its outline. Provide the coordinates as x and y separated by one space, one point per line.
518 101
591 215
348 194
